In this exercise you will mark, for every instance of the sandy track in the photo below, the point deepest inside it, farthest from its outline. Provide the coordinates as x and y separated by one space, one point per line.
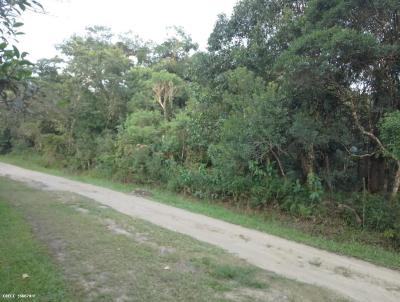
350 277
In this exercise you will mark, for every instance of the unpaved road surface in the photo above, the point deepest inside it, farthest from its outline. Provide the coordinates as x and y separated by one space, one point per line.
352 278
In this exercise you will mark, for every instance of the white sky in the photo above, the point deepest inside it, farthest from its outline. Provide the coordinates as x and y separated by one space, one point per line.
146 18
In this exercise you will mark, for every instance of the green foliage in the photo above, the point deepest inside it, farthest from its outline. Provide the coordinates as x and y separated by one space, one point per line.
5 140
390 133
377 214
9 12
294 103
172 55
136 154
141 127
13 63
315 188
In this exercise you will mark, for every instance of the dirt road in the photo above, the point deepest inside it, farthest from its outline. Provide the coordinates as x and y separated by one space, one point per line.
350 277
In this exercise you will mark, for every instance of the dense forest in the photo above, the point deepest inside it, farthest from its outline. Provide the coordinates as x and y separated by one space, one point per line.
293 107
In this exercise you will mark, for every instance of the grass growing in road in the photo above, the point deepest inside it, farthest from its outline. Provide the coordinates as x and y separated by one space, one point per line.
108 256
348 243
26 267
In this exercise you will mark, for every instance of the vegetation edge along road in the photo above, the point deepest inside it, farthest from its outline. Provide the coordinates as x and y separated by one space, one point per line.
371 253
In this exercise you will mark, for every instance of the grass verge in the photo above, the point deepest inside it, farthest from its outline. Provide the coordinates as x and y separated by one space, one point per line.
27 271
349 244
108 256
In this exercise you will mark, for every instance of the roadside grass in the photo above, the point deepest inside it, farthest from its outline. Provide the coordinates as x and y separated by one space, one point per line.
26 267
349 242
243 276
108 256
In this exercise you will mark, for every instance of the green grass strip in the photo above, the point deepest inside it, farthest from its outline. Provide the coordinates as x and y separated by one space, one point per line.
26 267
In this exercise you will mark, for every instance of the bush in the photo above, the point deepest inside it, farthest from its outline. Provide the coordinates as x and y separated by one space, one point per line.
54 148
376 213
5 140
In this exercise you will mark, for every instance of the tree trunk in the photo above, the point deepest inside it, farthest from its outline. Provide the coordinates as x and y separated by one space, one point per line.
328 173
396 182
386 179
307 161
376 174
279 163
165 113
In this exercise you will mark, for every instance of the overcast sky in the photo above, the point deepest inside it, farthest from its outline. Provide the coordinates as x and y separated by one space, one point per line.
147 18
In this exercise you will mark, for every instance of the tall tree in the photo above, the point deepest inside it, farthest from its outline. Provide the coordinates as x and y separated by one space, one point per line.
13 65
